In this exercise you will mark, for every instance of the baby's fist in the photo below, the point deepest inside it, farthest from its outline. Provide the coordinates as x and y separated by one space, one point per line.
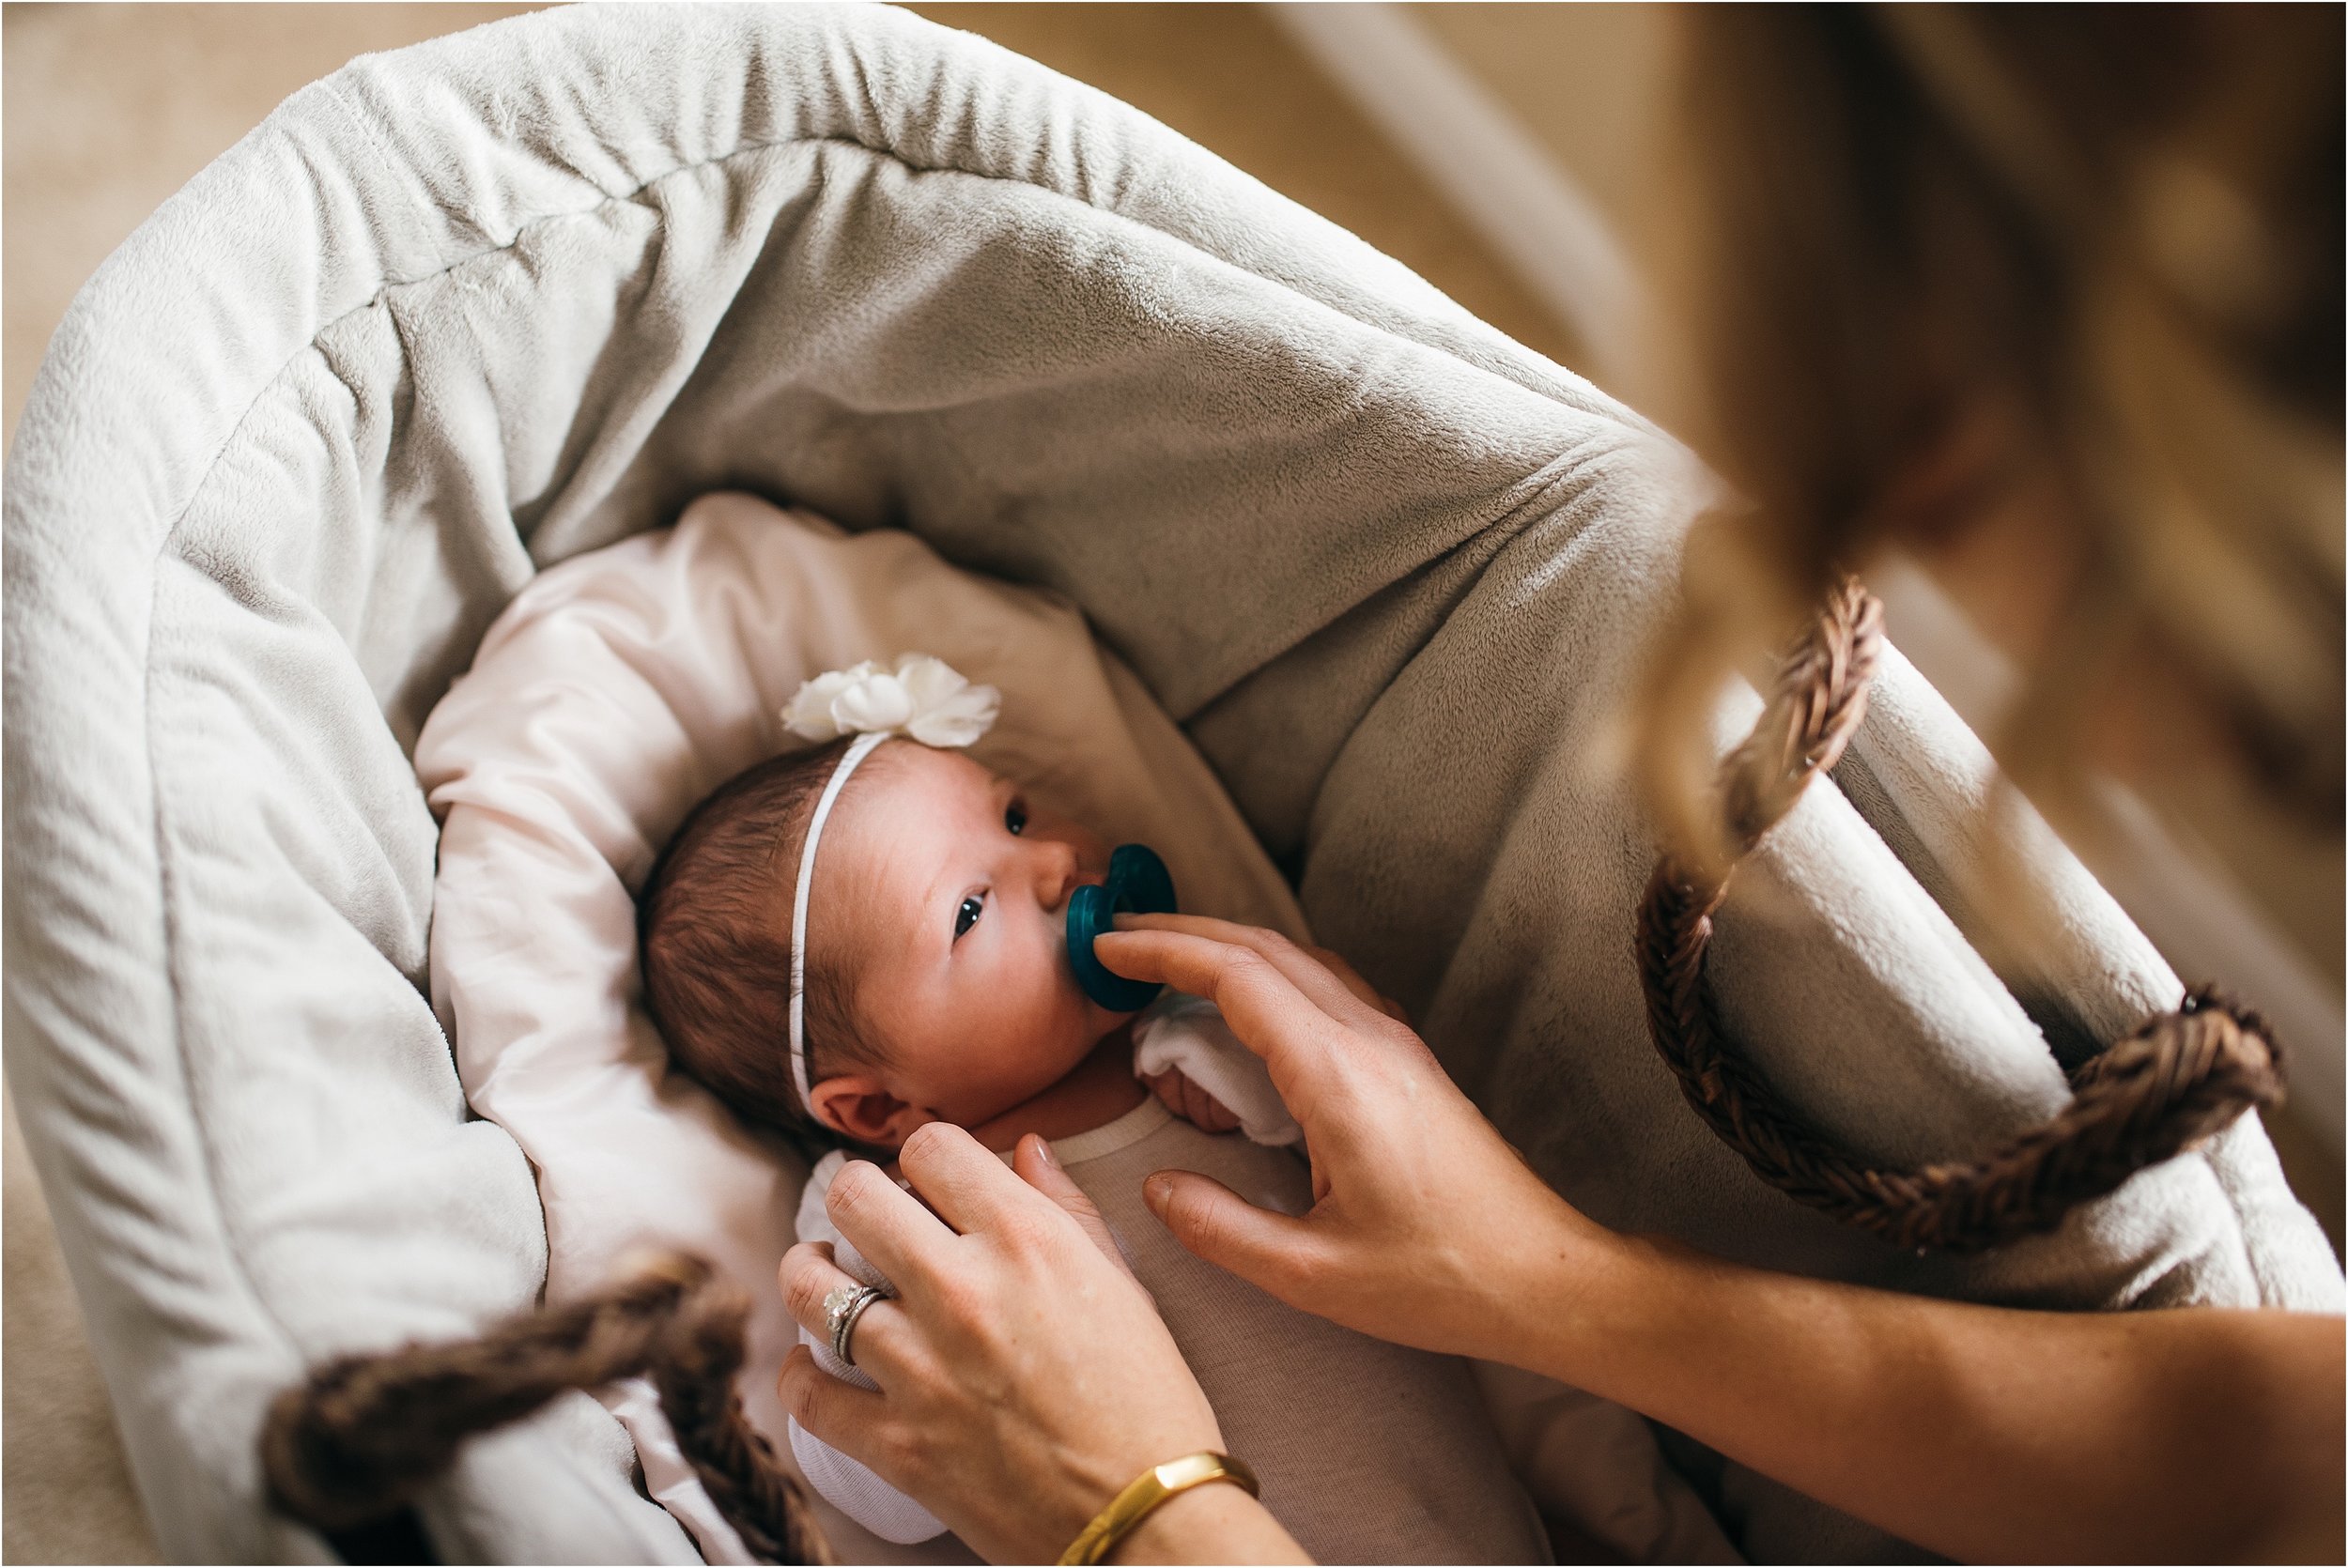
1192 1103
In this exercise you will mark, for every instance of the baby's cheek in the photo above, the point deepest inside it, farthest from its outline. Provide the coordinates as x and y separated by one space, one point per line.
1018 1053
1065 1022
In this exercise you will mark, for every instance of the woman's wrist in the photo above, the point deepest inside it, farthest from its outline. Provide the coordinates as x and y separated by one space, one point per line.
1576 1297
1216 1523
1625 1322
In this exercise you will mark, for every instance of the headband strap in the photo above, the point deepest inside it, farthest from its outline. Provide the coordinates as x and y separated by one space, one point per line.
865 746
922 699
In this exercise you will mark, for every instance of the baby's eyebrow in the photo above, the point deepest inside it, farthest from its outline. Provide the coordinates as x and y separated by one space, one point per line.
941 891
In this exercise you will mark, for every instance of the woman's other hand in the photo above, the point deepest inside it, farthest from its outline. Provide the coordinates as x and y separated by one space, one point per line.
1426 1227
1025 1375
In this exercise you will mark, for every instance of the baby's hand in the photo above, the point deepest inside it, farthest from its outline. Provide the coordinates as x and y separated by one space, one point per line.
1192 1103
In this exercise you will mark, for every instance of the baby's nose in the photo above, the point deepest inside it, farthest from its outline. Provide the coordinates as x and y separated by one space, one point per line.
1059 873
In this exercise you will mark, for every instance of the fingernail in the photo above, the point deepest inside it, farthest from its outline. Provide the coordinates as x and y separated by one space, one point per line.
1157 1191
1044 1150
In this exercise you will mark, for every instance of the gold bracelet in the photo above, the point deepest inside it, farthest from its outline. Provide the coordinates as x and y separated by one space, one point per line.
1149 1488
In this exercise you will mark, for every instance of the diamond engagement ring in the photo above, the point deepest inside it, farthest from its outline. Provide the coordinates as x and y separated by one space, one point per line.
843 1306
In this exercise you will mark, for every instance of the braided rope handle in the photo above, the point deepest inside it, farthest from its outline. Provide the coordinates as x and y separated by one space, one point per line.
358 1439
2179 1079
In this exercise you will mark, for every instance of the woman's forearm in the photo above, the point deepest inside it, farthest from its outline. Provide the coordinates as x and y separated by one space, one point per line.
1981 1431
1977 1431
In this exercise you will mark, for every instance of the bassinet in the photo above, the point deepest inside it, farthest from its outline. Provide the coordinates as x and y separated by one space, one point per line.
465 310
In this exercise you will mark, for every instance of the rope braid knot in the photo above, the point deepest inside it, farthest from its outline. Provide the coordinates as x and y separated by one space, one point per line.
2179 1079
360 1438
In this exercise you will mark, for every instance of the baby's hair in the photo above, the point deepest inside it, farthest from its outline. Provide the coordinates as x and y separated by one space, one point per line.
713 928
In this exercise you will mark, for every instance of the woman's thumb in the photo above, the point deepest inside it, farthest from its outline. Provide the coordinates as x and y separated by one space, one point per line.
1262 1247
1033 1163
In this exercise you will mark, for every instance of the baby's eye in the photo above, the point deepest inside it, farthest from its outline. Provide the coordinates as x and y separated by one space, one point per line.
968 916
1015 818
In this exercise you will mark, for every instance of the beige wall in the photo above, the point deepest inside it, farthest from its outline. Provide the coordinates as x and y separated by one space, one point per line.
1590 81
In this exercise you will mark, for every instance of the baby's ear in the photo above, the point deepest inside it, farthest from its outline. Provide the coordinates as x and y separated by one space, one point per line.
856 1106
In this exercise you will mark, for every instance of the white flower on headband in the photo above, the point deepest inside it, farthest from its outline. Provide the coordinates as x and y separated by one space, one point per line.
923 698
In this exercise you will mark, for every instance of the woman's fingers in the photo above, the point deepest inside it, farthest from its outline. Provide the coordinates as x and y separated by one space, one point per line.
850 1418
1264 1008
904 1240
1344 996
1268 1249
1319 1062
810 1274
957 1176
1408 1177
1024 1378
1335 963
1032 1162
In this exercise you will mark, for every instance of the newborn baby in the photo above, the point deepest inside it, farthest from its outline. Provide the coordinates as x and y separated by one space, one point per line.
855 939
937 987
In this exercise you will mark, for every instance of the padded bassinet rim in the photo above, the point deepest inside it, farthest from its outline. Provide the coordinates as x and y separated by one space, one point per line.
1433 319
77 484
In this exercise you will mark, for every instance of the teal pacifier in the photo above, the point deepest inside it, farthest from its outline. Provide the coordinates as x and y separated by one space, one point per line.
1138 885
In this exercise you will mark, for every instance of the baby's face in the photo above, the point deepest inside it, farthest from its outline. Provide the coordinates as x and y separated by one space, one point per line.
950 896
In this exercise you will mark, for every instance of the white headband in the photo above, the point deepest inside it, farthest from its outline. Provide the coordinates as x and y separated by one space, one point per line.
924 699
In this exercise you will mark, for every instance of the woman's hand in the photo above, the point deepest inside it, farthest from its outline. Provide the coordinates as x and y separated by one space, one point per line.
1982 1433
1200 1109
1025 1376
1427 1227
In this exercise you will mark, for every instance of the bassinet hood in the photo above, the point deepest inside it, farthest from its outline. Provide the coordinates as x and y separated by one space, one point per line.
463 311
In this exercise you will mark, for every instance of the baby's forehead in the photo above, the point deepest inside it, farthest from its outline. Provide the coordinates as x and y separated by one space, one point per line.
891 842
909 768
919 801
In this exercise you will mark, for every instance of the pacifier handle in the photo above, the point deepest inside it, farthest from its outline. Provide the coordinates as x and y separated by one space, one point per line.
1139 883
